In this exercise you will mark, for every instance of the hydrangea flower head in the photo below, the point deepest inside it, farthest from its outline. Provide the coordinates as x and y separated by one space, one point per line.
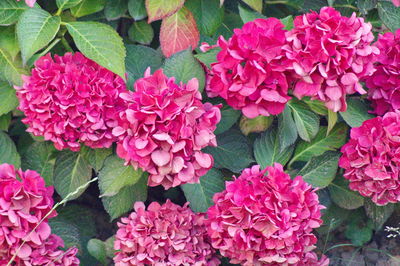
71 100
371 159
330 54
249 72
166 234
266 218
164 129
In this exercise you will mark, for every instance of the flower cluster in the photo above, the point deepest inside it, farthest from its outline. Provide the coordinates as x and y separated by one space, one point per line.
396 3
30 3
71 100
371 159
250 70
264 217
165 234
24 202
164 128
384 84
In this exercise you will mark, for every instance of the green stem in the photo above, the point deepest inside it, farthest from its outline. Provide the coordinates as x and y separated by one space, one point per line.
66 45
50 47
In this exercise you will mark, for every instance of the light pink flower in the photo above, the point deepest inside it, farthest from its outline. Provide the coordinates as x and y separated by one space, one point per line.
168 235
249 72
71 100
396 3
330 54
384 84
265 218
164 129
30 3
371 159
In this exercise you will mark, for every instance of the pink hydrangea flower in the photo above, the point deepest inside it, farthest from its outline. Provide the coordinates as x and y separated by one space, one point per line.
330 53
249 72
266 218
371 159
71 100
30 3
164 129
384 84
24 201
396 3
167 234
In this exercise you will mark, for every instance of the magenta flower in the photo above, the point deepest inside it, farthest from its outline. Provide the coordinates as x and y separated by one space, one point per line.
371 159
166 234
249 72
71 100
164 129
384 84
331 54
265 218
24 201
30 3
396 3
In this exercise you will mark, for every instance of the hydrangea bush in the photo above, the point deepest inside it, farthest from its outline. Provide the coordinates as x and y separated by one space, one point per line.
196 132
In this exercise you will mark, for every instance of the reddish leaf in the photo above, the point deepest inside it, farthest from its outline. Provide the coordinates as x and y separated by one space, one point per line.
159 9
179 32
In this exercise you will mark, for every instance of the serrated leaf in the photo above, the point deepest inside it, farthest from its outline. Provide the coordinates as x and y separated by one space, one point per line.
95 157
87 7
68 232
378 214
159 9
343 196
230 144
10 68
137 9
66 4
178 32
229 117
389 14
208 15
8 151
101 43
366 5
267 149
208 57
115 9
183 66
141 32
286 130
356 113
115 175
321 170
249 15
71 171
10 10
8 41
200 195
257 5
307 123
316 106
8 99
35 29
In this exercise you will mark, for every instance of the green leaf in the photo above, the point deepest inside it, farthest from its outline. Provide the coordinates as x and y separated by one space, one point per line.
229 117
288 22
321 143
389 14
208 15
68 232
141 32
97 249
333 217
70 172
332 120
321 170
255 125
35 29
95 157
316 106
87 7
208 57
66 4
249 15
200 195
356 113
267 150
10 10
286 131
8 99
366 5
8 151
158 9
115 9
10 68
378 214
315 5
123 201
137 9
115 175
343 196
101 43
40 157
8 41
231 22
257 5
138 59
230 144
183 66
307 123
5 121
359 235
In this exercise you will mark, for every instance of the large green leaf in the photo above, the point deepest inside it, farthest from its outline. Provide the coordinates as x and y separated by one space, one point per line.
257 5
229 117
201 195
343 196
321 170
366 5
141 32
158 9
10 68
378 214
68 232
96 157
70 172
389 14
287 132
137 9
267 150
8 151
100 43
249 15
66 4
35 29
208 57
8 99
97 249
356 113
5 121
208 15
321 143
115 9
8 40
10 10
183 66
333 217
87 7
307 122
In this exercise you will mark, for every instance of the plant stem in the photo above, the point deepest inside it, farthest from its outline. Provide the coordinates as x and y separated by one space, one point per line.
66 45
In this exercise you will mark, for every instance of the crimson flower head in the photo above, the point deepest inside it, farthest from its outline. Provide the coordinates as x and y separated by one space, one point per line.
164 128
71 100
249 72
166 234
330 54
371 159
384 84
264 217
